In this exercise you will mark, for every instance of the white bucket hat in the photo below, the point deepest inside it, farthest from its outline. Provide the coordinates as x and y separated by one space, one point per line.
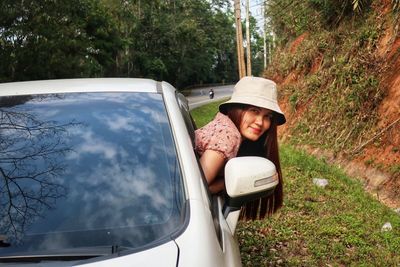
258 92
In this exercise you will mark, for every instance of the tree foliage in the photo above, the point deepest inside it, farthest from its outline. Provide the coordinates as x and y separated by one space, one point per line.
43 39
184 42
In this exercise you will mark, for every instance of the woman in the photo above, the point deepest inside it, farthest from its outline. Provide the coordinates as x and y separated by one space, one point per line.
245 126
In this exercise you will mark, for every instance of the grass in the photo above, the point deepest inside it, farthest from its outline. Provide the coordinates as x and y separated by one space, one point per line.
339 225
204 114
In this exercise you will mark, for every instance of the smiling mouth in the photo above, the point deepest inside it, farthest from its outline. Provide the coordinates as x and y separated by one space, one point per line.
255 130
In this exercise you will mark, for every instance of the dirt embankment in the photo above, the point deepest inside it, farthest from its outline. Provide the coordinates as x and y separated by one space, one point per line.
383 149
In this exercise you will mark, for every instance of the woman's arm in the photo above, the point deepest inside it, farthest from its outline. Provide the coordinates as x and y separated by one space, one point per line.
212 162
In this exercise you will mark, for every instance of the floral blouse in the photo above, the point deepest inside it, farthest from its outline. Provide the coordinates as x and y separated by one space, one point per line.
220 135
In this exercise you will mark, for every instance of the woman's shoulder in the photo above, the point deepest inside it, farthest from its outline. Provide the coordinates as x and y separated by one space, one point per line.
223 120
220 123
220 135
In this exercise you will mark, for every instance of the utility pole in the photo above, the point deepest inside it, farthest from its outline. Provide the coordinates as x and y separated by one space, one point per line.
265 48
239 40
139 10
248 41
271 46
265 35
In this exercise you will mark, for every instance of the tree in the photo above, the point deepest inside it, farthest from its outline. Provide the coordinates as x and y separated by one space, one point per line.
183 42
43 39
30 151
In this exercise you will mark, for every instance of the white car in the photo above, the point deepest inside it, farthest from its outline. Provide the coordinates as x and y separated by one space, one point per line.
102 172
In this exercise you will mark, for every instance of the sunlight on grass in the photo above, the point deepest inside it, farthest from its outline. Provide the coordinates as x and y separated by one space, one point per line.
204 114
332 226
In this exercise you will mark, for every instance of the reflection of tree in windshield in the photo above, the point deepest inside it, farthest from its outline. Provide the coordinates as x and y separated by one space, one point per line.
113 152
30 153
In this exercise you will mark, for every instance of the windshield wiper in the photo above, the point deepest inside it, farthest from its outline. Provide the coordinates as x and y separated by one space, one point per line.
63 254
4 244
40 258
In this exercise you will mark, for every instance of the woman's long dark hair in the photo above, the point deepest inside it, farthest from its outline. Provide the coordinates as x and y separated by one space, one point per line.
266 146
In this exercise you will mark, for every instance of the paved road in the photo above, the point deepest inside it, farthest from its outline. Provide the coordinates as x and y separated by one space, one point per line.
199 97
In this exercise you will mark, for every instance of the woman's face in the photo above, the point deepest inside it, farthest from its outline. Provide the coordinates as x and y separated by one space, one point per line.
255 122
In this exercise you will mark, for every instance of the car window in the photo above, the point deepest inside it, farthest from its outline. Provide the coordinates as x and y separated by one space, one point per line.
86 170
189 122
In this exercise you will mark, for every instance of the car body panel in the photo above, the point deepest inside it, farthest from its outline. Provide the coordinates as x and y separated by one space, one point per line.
200 225
211 252
79 85
187 157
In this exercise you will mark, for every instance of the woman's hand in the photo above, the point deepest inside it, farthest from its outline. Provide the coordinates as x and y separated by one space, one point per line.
217 185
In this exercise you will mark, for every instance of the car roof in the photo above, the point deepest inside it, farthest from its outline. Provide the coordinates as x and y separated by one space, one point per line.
79 85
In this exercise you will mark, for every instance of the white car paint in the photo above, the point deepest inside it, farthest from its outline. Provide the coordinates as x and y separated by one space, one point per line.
200 242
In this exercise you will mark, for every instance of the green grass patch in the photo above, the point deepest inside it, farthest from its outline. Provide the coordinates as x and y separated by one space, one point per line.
204 114
339 225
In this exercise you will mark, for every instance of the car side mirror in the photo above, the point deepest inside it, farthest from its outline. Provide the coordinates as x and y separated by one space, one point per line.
246 179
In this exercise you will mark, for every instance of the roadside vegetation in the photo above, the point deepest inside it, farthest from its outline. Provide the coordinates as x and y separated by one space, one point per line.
335 62
339 94
336 225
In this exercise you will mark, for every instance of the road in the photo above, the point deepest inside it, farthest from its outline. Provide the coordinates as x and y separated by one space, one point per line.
199 97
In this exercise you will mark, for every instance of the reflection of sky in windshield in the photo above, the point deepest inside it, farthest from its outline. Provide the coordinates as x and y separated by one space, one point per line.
121 172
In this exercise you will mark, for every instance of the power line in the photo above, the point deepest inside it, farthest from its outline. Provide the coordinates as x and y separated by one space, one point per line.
282 8
296 16
280 12
260 3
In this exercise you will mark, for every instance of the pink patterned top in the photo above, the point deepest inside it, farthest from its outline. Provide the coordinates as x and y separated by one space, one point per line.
220 135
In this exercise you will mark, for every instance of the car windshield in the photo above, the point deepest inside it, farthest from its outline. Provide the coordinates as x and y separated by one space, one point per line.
82 170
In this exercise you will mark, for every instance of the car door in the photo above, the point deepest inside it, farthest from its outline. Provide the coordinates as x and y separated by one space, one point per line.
225 231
